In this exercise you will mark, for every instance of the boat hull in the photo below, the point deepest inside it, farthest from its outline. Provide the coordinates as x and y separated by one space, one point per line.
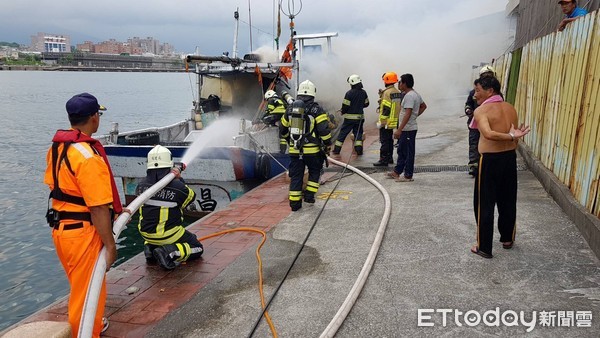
218 175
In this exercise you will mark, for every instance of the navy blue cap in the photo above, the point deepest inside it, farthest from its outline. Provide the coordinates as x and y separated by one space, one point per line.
83 104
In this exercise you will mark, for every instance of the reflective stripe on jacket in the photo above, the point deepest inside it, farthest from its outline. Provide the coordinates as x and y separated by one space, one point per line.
355 101
275 106
318 130
161 217
390 106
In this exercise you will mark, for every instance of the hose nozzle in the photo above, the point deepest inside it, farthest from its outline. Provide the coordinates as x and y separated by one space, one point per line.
179 165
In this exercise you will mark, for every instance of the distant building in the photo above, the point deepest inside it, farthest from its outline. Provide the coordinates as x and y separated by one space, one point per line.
133 46
86 46
147 45
111 46
167 49
43 42
7 52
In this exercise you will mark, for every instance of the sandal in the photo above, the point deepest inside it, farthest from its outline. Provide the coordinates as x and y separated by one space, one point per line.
476 251
507 245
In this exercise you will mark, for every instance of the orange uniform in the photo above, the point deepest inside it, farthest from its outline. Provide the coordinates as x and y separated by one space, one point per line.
77 241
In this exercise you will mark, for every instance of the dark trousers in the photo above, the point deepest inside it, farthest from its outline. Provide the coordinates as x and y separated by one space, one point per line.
406 153
187 247
495 185
473 143
355 126
314 163
386 137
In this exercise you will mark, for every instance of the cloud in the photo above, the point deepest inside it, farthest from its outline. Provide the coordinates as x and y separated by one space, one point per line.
188 23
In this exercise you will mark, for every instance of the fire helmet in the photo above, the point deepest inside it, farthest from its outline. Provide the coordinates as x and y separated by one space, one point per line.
269 94
390 78
354 79
307 88
160 157
487 69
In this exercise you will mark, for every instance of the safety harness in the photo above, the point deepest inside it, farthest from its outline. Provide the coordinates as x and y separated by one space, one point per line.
54 216
302 127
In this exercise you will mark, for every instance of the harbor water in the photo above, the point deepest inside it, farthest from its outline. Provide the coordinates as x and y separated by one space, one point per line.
32 108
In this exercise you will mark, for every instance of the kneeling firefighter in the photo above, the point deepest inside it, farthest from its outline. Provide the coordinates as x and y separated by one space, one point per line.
306 127
161 217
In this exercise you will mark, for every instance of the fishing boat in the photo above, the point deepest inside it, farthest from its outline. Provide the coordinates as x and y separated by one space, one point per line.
228 87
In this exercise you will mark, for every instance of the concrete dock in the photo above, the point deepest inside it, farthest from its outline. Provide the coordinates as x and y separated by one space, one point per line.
424 271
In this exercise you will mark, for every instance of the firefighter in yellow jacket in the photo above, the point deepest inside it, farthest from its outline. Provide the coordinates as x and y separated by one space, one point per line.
166 241
275 109
389 107
306 127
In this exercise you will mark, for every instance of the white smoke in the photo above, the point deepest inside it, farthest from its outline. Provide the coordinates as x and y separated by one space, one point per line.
437 44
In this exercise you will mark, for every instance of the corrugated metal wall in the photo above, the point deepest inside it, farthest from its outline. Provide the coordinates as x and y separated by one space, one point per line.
537 18
557 94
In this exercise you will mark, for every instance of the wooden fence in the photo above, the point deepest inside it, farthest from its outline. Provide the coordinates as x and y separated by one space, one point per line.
537 18
554 83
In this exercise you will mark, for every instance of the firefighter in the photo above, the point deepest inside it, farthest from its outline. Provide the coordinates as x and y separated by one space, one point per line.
85 200
161 217
352 110
275 109
389 107
305 126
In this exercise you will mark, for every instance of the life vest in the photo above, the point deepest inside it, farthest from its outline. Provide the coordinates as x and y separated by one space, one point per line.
68 137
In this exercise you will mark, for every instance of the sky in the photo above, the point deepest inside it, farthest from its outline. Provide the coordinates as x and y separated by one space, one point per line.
423 37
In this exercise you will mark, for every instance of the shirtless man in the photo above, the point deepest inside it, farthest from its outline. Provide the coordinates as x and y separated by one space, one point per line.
496 182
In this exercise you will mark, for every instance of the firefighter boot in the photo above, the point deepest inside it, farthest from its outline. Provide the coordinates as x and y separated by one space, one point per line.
296 205
164 256
149 255
309 198
336 150
381 163
359 150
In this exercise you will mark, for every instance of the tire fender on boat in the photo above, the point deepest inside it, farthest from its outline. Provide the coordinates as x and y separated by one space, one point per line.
262 167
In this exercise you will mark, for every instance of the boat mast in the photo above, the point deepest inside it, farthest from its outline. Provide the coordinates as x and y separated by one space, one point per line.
250 24
291 14
236 16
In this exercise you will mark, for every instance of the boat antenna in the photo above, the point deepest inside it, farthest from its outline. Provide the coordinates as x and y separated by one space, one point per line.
291 14
236 16
250 23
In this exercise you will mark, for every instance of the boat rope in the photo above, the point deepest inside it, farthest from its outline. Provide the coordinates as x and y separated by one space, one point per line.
266 152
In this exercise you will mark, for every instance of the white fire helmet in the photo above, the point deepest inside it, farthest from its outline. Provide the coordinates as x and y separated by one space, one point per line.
487 69
160 157
354 79
269 94
307 88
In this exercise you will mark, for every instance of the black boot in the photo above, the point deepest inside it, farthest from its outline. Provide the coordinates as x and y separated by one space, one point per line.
359 150
336 150
309 198
381 163
296 205
164 258
149 255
